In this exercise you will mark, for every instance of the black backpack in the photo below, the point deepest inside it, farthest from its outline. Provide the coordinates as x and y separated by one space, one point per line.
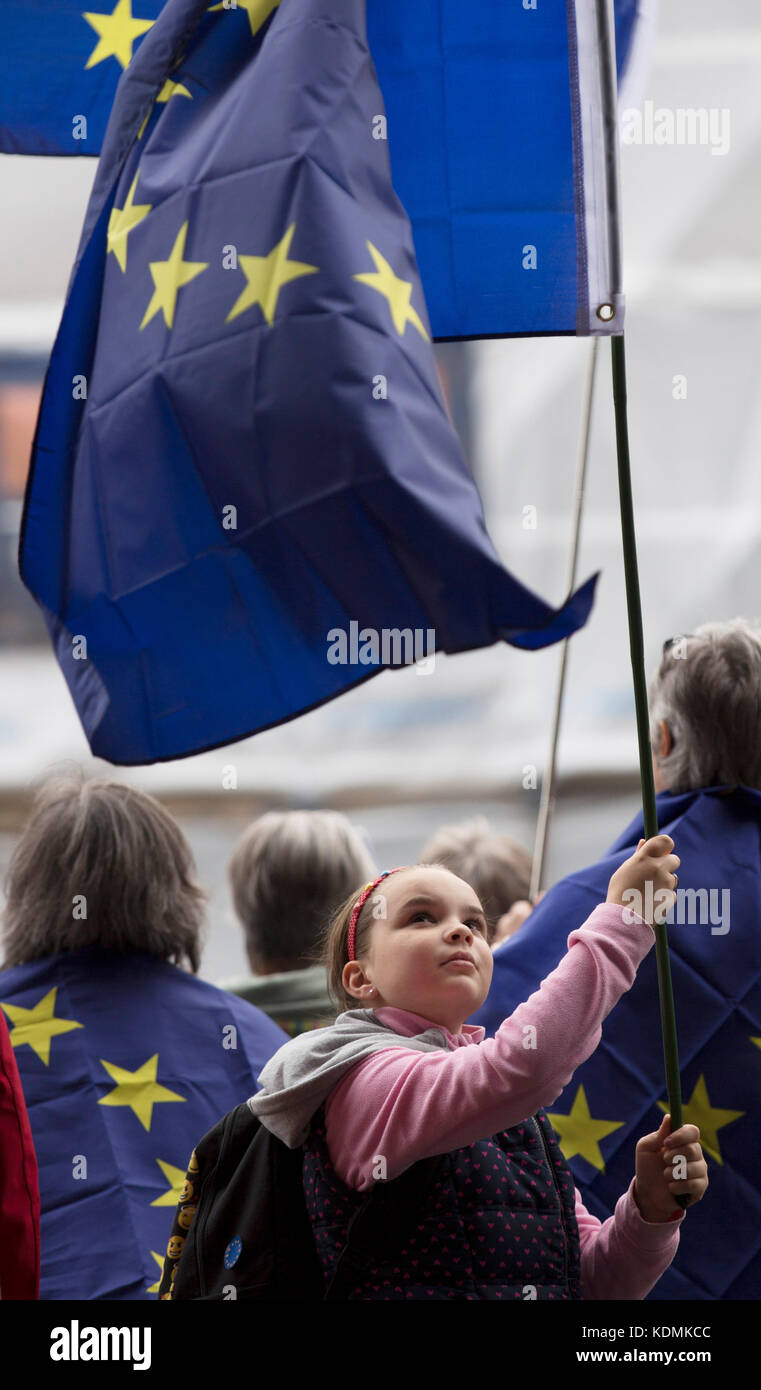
242 1230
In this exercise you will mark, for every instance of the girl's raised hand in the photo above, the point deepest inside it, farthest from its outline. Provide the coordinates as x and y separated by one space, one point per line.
668 1164
651 863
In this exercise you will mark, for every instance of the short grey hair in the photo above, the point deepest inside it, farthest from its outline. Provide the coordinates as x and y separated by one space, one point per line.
497 867
707 689
289 873
111 852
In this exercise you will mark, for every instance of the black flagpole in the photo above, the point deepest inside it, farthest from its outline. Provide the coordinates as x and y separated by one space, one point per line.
636 646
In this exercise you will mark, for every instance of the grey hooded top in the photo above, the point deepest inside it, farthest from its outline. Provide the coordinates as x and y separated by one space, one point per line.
302 1073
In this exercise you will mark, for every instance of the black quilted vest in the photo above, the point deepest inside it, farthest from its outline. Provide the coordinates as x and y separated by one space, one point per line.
497 1222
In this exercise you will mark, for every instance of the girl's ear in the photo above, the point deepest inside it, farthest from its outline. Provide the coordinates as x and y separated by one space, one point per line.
355 981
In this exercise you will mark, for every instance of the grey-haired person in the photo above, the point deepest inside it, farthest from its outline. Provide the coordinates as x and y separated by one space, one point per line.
289 872
705 734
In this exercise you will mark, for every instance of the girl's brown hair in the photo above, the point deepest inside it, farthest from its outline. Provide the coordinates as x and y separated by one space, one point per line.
335 943
335 947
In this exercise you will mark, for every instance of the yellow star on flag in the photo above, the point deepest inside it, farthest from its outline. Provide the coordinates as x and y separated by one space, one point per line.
36 1027
176 1178
138 1089
169 89
709 1120
154 1288
117 33
169 278
580 1134
396 291
266 275
757 1041
257 10
121 223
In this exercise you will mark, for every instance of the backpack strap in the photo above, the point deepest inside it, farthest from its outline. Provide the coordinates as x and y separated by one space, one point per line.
380 1223
203 1160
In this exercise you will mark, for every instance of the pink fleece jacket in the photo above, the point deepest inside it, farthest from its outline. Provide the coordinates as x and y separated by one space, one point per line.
409 1105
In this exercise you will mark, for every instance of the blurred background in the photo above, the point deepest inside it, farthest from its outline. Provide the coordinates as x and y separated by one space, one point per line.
407 752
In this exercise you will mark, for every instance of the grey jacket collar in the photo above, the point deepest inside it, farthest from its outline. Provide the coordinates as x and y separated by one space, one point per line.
302 1073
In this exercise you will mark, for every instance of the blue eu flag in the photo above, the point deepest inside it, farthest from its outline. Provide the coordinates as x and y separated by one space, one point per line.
243 454
619 1094
125 1061
497 124
61 60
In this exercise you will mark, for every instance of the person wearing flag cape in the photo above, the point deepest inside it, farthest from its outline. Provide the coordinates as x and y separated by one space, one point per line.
704 723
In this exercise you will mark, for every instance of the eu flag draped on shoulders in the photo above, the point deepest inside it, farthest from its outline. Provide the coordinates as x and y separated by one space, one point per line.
125 1061
243 462
619 1093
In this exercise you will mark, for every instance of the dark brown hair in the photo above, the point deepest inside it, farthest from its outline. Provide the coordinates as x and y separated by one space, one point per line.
116 853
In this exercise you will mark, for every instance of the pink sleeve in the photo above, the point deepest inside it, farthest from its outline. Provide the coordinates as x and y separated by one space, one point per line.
625 1256
403 1105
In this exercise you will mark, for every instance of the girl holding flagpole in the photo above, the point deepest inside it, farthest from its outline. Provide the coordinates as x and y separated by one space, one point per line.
400 1078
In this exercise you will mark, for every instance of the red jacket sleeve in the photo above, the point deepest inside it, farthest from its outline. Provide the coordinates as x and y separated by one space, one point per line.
19 1187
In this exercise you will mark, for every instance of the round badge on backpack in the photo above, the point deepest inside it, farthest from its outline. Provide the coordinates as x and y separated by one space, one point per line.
232 1252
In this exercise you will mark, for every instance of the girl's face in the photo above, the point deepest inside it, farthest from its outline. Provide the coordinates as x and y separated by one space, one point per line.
421 920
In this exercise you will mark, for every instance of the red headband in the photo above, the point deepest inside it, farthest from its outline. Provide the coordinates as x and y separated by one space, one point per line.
359 904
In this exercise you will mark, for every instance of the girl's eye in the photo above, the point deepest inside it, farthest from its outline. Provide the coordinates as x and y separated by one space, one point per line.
476 922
